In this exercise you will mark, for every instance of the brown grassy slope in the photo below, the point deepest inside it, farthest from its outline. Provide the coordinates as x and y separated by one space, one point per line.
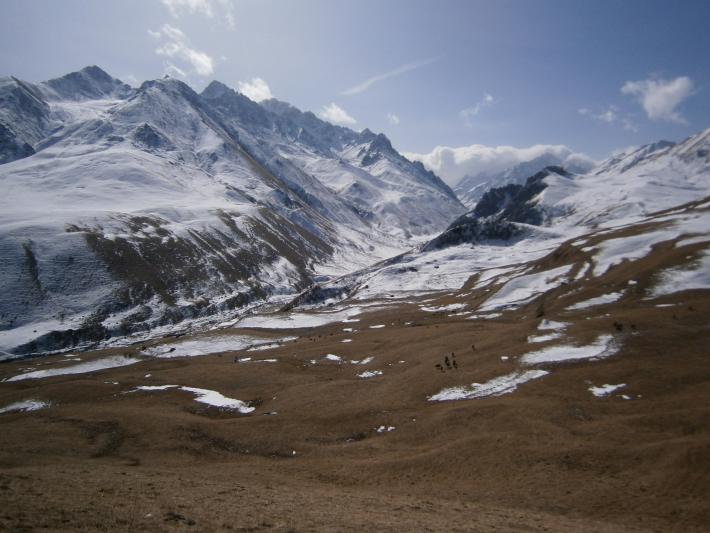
549 456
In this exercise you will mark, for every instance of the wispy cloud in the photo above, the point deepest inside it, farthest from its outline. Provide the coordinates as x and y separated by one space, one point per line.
336 114
468 113
174 71
660 98
202 7
175 45
609 115
256 89
393 119
408 67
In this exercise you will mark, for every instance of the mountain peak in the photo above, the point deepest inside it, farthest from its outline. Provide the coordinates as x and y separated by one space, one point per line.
216 89
89 83
96 73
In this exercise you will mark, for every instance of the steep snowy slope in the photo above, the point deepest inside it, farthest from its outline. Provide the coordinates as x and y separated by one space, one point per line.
398 197
141 208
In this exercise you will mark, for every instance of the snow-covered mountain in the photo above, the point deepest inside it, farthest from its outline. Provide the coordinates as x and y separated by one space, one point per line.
657 193
127 209
472 187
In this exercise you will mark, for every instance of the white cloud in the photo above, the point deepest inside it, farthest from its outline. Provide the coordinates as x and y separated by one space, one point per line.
608 115
256 89
203 7
393 119
175 45
336 114
660 98
177 7
365 85
452 164
468 113
174 71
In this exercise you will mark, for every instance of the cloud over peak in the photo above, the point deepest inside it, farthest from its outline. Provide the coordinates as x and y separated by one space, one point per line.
336 114
256 89
660 98
453 164
175 45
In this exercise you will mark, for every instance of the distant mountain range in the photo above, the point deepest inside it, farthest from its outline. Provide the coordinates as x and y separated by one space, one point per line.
130 209
644 189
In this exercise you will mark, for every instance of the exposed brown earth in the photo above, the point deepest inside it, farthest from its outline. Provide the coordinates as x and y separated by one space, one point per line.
548 457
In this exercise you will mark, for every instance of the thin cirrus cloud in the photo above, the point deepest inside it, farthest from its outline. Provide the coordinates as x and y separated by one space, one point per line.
408 67
203 7
467 114
336 114
175 45
660 98
256 89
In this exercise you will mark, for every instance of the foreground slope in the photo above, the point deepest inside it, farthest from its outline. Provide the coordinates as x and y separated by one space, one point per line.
561 393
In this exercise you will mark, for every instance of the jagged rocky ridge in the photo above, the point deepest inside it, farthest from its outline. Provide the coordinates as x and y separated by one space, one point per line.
128 210
500 213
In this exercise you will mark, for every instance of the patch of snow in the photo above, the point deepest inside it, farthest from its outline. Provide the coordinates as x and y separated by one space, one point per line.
82 368
24 405
154 387
333 357
216 399
494 387
486 316
544 338
599 300
614 251
383 429
553 325
370 374
605 390
700 239
524 288
603 346
693 276
206 396
377 326
347 340
450 307
209 345
297 320
365 361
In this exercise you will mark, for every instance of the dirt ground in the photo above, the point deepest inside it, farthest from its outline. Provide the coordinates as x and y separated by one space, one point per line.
548 457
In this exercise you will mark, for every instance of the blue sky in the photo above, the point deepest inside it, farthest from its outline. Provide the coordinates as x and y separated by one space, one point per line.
594 76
